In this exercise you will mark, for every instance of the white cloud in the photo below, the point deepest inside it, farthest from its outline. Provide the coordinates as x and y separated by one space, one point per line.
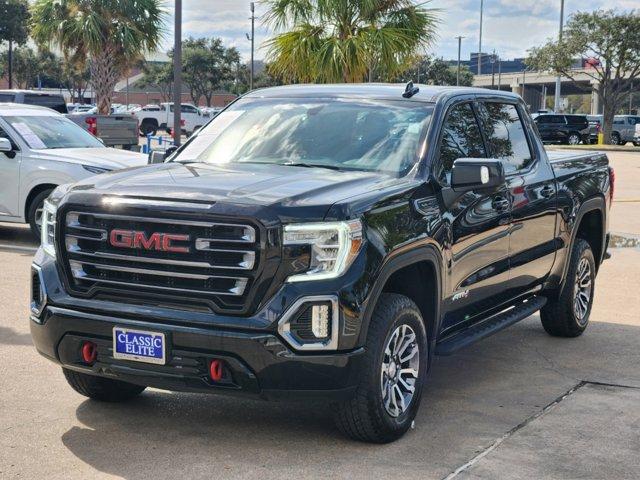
511 27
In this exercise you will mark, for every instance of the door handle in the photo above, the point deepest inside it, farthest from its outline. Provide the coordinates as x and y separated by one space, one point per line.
500 204
547 191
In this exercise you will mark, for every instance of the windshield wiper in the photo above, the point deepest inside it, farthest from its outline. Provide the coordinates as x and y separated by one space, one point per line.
310 165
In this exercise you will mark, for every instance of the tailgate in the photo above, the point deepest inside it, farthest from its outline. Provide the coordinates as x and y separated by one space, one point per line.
117 129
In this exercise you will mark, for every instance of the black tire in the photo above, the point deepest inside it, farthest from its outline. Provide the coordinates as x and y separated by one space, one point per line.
34 212
148 127
574 138
101 389
365 416
615 139
559 316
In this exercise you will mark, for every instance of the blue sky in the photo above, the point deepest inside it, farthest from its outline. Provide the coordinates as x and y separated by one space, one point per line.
510 26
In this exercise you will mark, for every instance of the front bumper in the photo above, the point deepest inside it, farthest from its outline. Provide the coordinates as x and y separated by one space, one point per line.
259 360
258 363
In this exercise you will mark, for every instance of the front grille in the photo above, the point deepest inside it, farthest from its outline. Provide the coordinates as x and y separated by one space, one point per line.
215 262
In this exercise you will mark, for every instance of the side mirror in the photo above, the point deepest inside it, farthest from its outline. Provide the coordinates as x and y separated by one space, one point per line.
5 145
477 173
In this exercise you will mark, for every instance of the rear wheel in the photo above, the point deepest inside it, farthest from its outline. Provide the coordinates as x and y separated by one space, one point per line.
615 139
568 314
102 389
573 139
388 396
34 213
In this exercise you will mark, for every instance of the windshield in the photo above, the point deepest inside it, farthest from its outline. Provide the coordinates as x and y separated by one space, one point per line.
371 135
52 132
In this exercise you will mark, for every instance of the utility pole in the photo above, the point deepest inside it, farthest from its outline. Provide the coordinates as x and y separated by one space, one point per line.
480 40
177 73
10 61
252 39
556 103
459 49
524 83
499 73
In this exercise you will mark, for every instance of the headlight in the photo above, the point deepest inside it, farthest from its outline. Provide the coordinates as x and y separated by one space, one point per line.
96 170
333 247
48 228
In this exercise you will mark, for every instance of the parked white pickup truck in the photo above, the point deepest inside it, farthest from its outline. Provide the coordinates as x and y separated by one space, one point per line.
152 118
41 149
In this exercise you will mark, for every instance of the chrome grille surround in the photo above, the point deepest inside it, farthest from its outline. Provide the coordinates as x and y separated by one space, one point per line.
218 266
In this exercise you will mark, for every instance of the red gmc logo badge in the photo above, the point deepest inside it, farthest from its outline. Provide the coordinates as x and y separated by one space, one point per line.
161 242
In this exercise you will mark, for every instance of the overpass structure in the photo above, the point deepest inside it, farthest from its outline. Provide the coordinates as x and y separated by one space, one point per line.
535 86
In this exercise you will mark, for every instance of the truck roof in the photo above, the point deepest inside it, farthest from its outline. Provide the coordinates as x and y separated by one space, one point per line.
25 109
427 93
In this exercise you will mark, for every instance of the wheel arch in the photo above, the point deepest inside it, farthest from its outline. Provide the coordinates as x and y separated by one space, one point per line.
592 213
33 193
403 274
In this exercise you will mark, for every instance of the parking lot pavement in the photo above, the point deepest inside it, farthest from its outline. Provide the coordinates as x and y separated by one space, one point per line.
520 404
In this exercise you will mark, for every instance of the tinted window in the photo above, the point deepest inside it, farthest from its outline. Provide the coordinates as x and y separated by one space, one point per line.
506 136
188 109
618 121
577 120
54 102
461 138
6 97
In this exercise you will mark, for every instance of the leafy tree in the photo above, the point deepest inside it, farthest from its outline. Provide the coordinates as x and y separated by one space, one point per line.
14 20
433 71
159 76
25 66
207 65
345 41
111 34
609 38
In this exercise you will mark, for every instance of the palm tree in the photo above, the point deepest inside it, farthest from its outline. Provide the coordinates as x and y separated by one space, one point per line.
346 40
111 34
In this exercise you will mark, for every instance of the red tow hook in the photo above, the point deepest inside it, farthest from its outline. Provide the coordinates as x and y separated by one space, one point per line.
89 352
216 370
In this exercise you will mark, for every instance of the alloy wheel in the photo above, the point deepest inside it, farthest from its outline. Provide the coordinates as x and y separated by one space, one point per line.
399 372
582 291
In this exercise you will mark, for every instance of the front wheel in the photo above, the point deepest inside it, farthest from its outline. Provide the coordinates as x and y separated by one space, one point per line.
34 214
101 389
568 314
394 369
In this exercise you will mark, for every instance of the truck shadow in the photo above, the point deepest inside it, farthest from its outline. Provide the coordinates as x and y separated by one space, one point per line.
472 399
16 235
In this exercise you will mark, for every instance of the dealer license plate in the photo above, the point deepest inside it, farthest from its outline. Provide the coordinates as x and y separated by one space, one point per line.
139 345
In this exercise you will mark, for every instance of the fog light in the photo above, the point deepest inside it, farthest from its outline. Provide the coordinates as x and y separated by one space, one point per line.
320 321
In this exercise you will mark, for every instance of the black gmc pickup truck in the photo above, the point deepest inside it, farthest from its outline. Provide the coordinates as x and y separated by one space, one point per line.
320 241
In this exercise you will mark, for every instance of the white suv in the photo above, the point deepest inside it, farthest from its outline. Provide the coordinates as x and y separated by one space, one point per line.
41 149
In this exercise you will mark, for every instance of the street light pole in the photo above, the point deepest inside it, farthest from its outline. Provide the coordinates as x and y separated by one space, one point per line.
253 19
480 40
556 103
177 73
459 49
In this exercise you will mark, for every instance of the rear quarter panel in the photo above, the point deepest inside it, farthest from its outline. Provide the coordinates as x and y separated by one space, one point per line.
583 184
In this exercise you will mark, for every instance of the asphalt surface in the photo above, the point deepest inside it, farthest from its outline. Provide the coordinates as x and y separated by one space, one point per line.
518 405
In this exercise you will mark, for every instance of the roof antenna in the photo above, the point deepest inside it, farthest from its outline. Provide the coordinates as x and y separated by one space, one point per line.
410 90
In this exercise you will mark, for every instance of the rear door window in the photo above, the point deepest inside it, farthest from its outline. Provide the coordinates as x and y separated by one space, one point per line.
506 135
54 102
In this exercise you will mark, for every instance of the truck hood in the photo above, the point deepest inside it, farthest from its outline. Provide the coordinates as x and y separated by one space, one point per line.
284 193
111 158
